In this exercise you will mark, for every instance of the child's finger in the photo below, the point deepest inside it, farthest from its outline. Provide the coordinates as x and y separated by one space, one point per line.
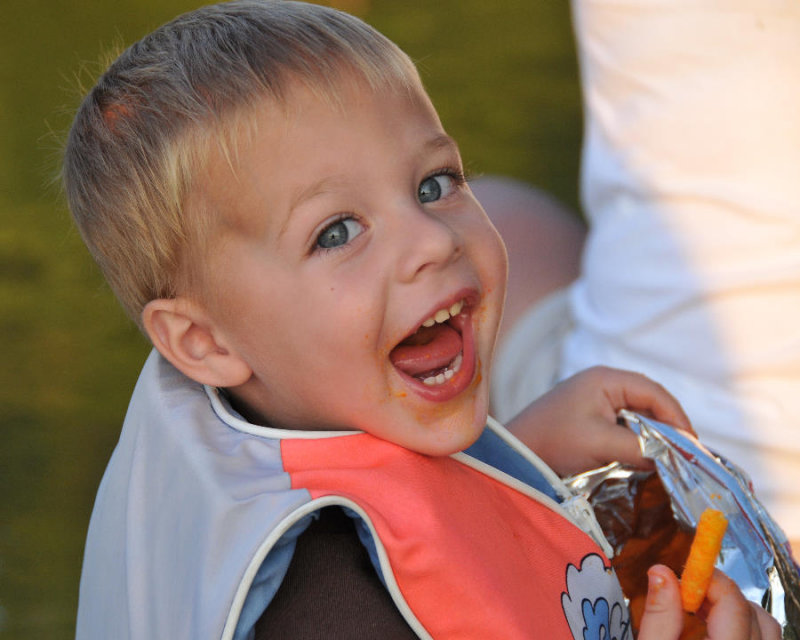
768 627
616 443
641 394
732 617
650 397
727 608
662 618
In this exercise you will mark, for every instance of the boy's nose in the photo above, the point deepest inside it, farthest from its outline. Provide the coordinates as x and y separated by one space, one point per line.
428 243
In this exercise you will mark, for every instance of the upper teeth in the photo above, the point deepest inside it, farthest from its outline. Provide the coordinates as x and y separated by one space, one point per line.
443 315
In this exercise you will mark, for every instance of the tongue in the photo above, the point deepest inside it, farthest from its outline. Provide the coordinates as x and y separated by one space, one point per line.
429 349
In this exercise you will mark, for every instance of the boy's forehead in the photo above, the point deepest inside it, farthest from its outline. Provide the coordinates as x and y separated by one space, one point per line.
252 135
269 114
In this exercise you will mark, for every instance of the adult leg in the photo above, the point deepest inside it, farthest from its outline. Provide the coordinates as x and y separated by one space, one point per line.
543 237
544 240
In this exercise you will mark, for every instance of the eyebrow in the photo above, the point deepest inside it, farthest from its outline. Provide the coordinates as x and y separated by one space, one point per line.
305 194
442 141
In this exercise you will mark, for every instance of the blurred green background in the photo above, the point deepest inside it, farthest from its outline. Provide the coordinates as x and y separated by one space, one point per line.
504 77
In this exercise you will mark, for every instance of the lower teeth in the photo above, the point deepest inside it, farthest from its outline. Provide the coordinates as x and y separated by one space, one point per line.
448 373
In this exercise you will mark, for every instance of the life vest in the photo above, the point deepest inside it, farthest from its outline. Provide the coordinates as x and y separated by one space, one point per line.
198 512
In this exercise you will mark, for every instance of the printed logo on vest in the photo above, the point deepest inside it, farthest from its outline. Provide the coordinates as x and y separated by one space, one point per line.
593 603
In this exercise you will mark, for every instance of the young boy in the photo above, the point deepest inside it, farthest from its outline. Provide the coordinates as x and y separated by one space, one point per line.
272 197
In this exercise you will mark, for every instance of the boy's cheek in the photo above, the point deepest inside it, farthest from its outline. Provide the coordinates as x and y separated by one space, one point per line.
498 264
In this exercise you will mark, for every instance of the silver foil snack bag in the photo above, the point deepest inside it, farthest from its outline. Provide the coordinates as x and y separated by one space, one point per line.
649 517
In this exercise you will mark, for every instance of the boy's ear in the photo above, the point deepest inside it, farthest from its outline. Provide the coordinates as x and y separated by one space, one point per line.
184 335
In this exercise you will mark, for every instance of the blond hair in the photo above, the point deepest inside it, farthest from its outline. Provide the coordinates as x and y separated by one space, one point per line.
144 132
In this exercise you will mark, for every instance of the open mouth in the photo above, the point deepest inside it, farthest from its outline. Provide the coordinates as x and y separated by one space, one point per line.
435 355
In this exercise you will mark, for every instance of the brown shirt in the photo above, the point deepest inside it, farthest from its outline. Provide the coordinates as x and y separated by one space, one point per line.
331 590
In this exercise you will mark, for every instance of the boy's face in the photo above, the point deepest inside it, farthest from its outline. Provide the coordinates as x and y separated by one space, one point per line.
346 230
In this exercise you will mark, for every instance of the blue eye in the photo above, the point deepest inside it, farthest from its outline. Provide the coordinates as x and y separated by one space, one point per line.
339 233
435 188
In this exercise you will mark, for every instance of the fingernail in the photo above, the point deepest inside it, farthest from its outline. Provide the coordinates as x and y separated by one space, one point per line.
655 581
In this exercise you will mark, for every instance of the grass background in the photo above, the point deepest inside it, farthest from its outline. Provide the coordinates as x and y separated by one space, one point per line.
504 78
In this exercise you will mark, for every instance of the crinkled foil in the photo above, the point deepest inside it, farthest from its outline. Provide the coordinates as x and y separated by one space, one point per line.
647 521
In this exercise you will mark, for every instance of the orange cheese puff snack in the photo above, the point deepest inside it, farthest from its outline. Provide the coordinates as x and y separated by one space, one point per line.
702 556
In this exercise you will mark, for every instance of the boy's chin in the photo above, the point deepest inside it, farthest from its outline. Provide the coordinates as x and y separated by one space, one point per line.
451 436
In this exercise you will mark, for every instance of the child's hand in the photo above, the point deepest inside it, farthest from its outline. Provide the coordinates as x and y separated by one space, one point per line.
574 428
727 613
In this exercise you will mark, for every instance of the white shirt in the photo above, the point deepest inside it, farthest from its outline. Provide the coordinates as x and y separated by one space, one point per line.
691 182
